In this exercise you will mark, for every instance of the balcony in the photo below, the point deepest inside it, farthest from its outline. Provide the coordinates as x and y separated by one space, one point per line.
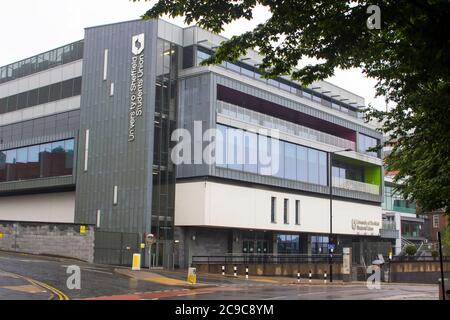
388 230
266 121
355 185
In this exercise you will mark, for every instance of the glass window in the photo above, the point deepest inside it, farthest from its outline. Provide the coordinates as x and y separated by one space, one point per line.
22 155
32 98
77 86
55 91
235 150
44 94
23 100
286 211
12 103
302 164
3 105
67 89
297 212
273 207
11 165
323 168
435 221
221 146
278 156
2 166
365 143
290 161
250 152
264 155
313 166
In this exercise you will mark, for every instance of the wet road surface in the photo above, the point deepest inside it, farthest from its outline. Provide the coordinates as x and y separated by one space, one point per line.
41 278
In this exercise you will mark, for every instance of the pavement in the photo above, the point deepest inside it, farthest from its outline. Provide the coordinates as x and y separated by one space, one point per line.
30 277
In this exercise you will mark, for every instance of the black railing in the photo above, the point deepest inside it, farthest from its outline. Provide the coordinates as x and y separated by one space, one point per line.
266 258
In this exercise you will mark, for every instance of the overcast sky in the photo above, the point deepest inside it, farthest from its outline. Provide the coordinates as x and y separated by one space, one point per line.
29 27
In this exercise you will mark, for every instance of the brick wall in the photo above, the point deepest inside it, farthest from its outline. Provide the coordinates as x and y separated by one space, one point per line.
43 238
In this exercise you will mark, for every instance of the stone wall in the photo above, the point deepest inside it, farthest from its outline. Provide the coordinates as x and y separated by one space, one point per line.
45 238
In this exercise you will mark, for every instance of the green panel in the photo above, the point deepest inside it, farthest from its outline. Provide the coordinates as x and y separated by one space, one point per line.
372 175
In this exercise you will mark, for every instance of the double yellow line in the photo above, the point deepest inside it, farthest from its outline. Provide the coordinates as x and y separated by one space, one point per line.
53 291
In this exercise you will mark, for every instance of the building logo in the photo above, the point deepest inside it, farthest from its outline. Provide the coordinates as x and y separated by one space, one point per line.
138 43
137 84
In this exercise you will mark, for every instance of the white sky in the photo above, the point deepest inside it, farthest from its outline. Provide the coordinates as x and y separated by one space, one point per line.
29 27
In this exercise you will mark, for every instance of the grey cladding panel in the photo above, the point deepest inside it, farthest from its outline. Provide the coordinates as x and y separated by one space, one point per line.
113 160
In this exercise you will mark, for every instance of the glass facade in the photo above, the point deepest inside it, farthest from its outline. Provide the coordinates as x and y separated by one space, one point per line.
43 61
54 124
393 201
365 143
319 244
37 161
283 84
411 229
288 243
53 92
163 198
295 162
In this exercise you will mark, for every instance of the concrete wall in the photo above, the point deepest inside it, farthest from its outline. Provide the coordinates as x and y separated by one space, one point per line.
233 206
52 239
45 207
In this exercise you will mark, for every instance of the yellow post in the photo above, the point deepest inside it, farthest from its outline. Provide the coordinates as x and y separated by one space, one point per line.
136 262
192 275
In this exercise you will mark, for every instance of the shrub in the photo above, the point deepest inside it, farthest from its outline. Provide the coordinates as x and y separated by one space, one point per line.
410 250
434 253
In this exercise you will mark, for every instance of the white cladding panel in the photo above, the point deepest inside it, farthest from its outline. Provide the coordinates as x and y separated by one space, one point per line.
224 205
48 207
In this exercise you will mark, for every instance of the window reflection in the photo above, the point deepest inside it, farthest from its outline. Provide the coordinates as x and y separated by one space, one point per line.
43 61
38 161
251 152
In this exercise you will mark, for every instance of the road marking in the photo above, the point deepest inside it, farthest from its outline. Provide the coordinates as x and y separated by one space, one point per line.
276 298
61 295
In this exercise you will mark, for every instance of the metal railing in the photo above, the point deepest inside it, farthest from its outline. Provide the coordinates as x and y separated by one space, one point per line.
419 259
257 118
355 185
265 258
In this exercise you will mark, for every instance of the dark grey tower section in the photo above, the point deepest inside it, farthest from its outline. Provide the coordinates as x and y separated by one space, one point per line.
114 181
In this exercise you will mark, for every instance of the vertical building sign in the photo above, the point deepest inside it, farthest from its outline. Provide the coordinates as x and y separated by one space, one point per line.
137 84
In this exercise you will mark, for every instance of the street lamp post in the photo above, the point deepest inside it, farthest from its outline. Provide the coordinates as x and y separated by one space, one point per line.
330 179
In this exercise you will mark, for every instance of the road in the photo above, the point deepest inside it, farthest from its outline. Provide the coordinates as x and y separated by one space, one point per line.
41 278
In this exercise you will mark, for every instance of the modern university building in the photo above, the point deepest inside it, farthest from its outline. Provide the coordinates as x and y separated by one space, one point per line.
85 153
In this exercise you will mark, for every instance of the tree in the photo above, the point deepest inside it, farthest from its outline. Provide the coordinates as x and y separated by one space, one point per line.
409 56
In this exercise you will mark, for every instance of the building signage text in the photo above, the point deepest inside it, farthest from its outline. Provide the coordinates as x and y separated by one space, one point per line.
137 85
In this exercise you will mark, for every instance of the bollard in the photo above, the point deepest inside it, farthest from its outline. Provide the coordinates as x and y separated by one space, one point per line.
223 270
235 271
325 277
246 273
310 275
298 277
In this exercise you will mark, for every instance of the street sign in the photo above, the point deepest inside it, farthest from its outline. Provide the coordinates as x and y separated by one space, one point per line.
150 239
331 246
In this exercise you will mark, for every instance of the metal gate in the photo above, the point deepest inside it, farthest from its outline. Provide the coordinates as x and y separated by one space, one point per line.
116 248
